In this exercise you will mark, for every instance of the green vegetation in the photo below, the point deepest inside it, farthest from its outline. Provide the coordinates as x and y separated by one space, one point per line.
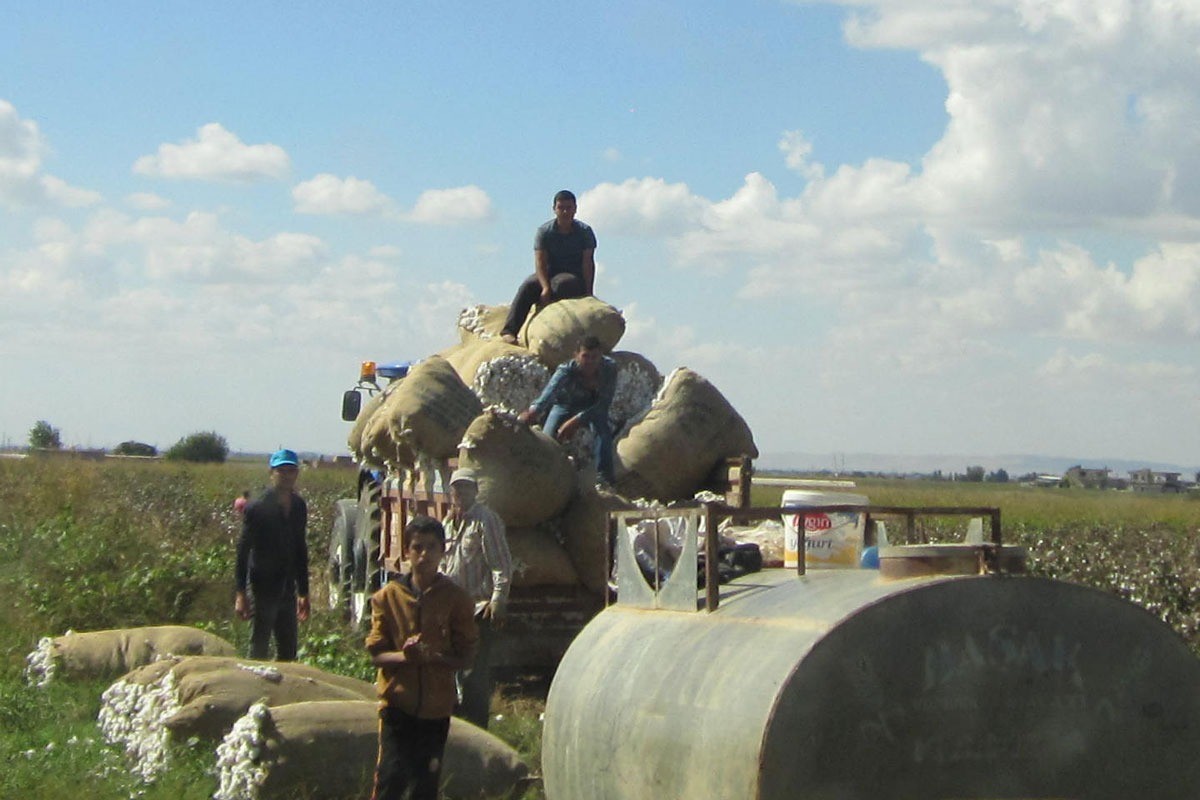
207 447
44 436
89 545
132 448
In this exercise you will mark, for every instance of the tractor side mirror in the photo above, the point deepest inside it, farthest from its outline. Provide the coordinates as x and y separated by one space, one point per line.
351 405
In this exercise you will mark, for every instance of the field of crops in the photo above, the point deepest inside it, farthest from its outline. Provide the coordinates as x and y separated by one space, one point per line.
91 545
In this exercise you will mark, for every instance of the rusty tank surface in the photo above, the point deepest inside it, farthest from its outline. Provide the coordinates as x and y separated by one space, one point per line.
848 684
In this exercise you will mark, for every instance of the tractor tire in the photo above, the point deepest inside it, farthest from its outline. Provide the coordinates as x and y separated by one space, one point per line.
368 540
341 556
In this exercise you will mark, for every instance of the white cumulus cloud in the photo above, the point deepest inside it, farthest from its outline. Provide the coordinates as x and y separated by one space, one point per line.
215 154
451 206
329 194
22 181
648 206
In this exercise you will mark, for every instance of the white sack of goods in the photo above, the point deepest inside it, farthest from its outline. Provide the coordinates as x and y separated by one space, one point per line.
538 559
585 532
203 696
430 409
481 322
524 476
115 652
329 749
500 374
355 440
638 381
669 452
555 332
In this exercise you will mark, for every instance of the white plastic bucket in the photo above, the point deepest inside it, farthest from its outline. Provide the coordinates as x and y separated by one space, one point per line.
833 539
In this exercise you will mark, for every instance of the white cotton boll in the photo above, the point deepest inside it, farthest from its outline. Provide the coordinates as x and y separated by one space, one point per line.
472 320
40 664
239 771
132 716
264 671
635 390
510 382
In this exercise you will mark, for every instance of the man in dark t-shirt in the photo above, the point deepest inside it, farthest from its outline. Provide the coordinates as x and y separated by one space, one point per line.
564 265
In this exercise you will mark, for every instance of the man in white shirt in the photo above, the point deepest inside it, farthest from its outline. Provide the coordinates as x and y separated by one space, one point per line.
477 559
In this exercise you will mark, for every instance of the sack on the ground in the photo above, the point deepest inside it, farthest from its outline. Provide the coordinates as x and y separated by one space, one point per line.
500 374
638 381
555 333
481 322
430 409
202 696
329 749
689 428
115 652
538 559
585 533
524 476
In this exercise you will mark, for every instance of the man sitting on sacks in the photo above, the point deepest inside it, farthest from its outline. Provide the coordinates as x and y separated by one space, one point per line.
564 265
580 393
477 559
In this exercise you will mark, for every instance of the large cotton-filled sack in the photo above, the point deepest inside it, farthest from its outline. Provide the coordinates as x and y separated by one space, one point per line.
538 559
555 333
585 532
329 749
499 373
430 409
638 381
669 452
481 322
202 696
115 652
355 439
379 449
524 476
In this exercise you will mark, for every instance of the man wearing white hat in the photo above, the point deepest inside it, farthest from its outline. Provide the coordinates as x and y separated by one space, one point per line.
477 559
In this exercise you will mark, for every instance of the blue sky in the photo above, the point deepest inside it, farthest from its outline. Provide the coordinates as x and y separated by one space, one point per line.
901 226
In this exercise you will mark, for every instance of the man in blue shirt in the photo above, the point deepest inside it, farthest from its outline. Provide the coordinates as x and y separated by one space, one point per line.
564 265
580 393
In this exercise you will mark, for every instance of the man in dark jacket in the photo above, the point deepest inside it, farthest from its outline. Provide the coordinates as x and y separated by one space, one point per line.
272 562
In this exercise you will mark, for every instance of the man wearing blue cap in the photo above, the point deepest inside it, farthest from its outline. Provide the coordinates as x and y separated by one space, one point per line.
272 562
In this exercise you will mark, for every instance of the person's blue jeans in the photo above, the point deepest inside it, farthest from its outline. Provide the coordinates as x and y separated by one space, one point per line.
601 430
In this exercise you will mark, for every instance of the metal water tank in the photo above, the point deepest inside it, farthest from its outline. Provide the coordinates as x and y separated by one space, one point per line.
846 684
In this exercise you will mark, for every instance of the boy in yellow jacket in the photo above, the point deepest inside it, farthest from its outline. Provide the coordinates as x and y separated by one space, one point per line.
422 630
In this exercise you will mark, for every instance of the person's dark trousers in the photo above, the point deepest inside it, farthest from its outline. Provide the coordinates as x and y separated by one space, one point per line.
562 286
274 614
410 754
476 680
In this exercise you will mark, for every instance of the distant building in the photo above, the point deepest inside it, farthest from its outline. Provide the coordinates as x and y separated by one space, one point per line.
1148 480
1088 477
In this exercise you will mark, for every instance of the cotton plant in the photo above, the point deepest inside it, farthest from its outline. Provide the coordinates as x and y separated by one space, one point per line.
240 771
